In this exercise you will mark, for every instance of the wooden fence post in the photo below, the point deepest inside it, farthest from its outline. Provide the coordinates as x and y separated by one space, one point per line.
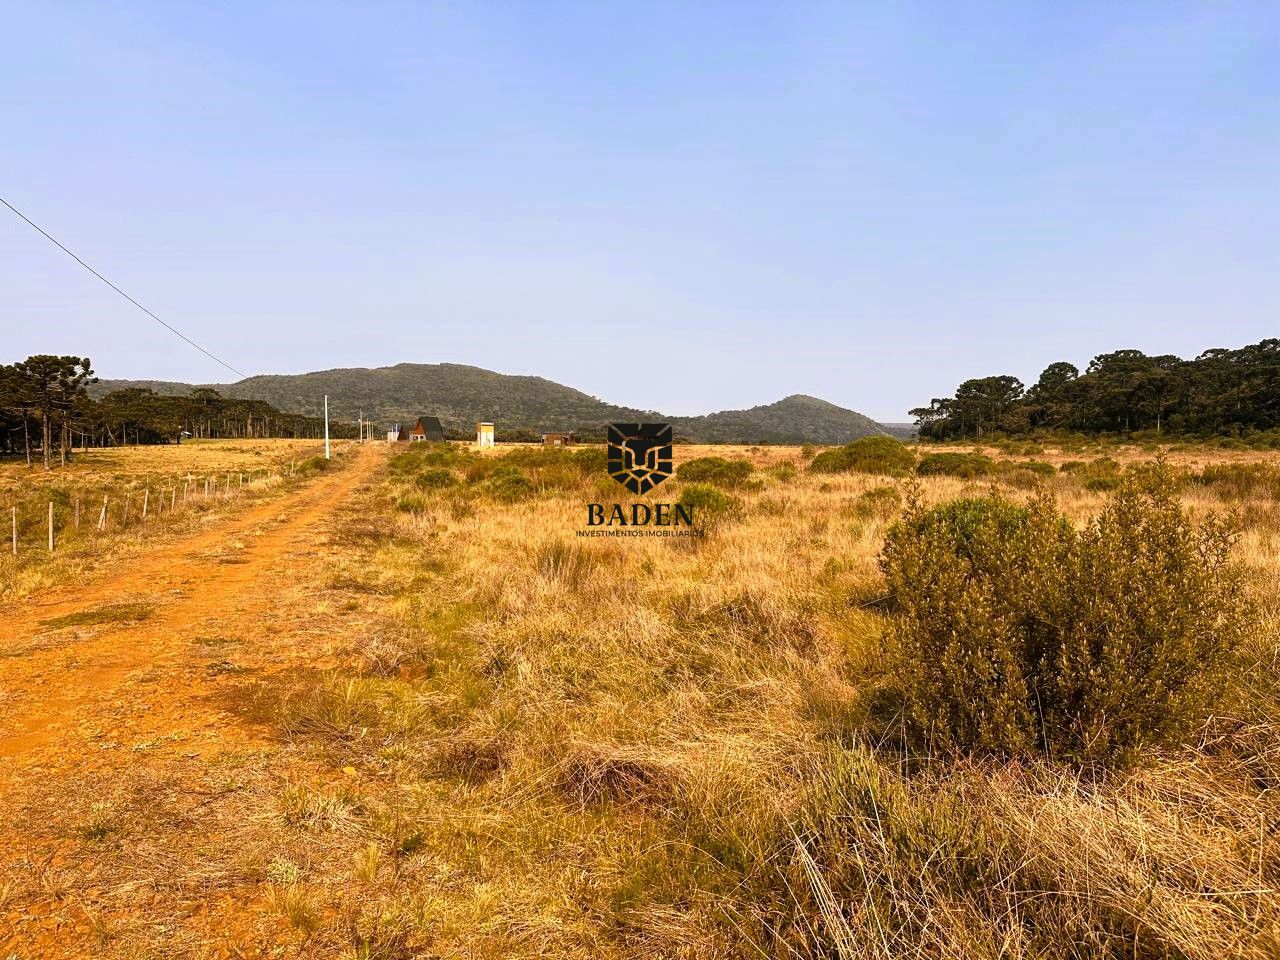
51 526
102 517
77 513
146 499
14 514
124 516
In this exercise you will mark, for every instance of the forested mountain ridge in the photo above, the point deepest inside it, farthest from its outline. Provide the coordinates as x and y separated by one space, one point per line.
1219 392
460 395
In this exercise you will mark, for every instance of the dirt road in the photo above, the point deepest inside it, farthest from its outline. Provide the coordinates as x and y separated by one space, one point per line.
206 581
120 694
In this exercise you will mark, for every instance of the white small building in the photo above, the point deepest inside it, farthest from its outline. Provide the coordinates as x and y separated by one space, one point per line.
393 434
484 435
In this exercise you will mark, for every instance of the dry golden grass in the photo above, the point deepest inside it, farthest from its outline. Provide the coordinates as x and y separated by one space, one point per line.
573 747
515 742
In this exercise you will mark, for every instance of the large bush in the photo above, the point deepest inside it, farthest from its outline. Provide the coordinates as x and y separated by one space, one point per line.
510 485
716 470
955 464
1017 634
883 455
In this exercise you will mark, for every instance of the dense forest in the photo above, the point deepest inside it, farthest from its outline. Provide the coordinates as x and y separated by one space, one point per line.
1219 393
45 409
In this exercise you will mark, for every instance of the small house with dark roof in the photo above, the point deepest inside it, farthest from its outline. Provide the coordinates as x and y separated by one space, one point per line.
426 428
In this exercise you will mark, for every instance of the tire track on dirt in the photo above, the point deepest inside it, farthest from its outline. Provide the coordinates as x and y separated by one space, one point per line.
46 689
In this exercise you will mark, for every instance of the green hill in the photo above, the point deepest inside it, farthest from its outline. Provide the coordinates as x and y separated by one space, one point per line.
460 395
795 419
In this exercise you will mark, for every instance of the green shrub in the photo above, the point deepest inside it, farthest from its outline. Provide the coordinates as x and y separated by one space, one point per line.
591 460
953 464
708 506
883 455
510 485
830 461
435 478
717 471
1016 634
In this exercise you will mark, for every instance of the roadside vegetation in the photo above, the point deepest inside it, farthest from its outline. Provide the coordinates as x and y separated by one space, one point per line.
878 711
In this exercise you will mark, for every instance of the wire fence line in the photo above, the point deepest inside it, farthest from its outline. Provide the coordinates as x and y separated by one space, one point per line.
49 521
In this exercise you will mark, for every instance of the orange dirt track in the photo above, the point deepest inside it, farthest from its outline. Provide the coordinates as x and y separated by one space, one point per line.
135 712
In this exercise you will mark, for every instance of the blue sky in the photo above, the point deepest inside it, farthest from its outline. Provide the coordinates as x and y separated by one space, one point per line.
686 207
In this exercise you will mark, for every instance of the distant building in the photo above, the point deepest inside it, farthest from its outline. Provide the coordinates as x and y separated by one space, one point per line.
559 439
484 435
426 428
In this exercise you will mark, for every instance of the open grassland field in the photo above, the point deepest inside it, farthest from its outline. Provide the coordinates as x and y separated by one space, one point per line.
398 708
108 503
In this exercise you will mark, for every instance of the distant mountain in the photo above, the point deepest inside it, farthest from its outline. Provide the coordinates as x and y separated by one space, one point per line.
460 395
795 419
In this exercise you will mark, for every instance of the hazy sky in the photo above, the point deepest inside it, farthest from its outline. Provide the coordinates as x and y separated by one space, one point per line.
686 207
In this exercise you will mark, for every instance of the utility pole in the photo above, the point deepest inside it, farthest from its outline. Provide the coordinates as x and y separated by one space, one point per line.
326 426
362 426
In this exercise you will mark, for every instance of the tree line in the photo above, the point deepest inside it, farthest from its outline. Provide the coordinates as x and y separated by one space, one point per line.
1220 392
45 407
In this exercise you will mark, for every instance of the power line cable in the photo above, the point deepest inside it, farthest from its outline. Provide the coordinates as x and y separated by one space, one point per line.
171 329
